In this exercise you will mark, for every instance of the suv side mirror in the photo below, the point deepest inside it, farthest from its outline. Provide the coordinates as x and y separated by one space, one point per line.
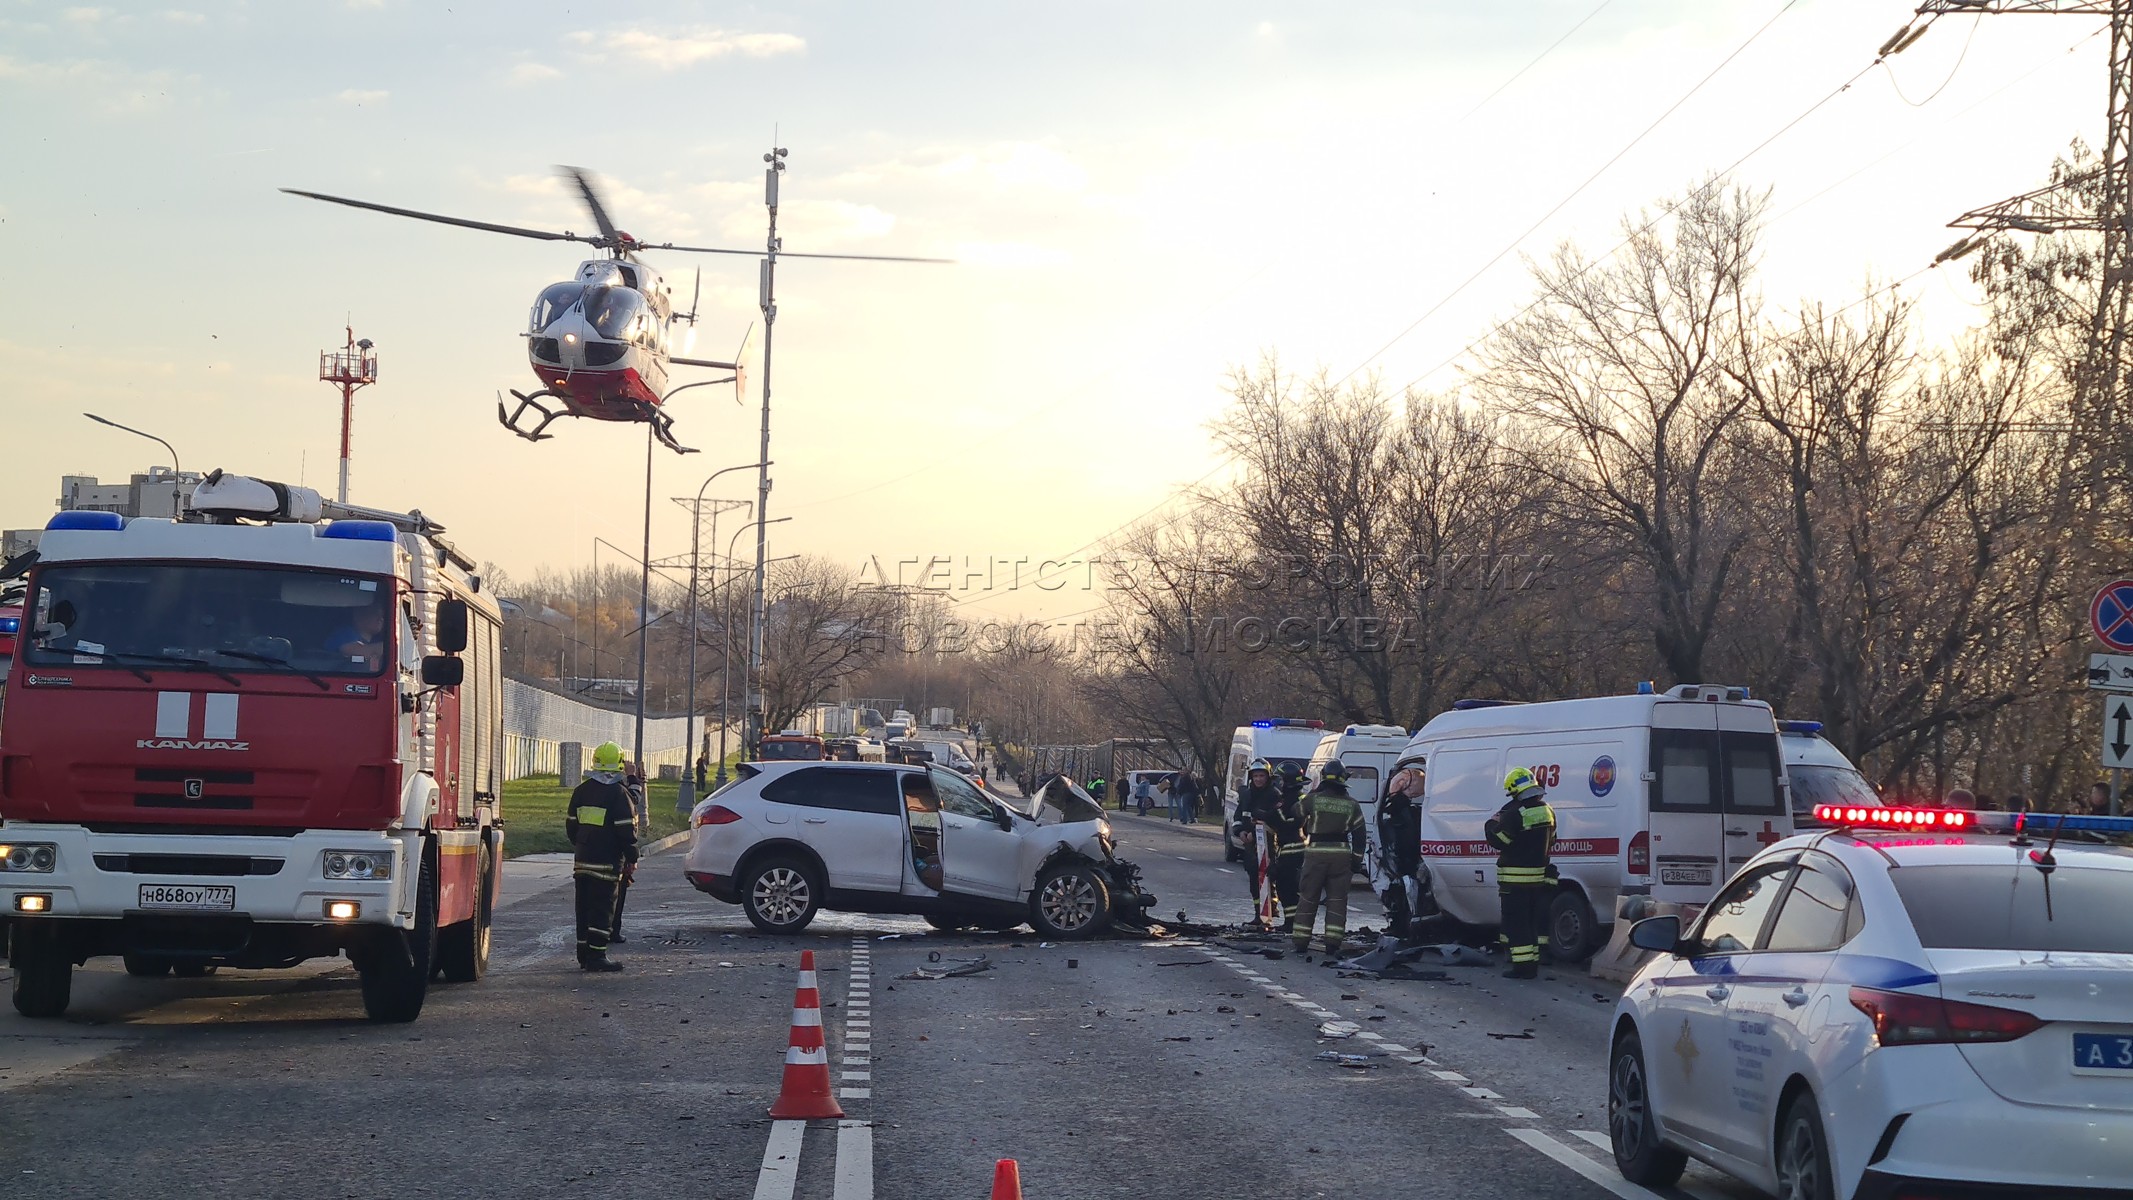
1005 818
1656 933
443 670
451 625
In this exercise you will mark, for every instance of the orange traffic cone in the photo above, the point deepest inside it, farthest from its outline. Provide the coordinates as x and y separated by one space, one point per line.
805 1095
1006 1180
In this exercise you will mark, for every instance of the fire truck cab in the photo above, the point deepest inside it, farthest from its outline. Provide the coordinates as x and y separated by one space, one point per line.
268 733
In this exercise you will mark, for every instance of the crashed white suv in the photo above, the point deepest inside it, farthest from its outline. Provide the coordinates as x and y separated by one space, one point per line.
788 839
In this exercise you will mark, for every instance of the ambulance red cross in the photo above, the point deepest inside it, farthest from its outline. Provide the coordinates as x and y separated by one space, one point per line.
1911 1003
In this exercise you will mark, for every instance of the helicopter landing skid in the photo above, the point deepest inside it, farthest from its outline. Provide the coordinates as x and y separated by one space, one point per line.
663 429
526 402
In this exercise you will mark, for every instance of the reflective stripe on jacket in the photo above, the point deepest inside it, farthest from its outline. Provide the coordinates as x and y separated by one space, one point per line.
1332 820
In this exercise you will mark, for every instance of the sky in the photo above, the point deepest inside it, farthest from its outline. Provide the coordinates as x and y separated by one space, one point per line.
1140 197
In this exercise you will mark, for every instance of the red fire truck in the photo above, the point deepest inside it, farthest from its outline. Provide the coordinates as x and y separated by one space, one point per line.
267 733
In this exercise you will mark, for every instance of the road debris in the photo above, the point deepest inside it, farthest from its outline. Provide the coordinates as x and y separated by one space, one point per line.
1525 1035
1196 962
1339 1029
961 968
1354 1062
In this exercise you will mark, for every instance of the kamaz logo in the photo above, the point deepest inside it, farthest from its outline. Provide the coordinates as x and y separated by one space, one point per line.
184 744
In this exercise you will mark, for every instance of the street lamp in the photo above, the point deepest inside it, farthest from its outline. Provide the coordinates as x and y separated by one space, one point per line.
139 433
696 516
725 698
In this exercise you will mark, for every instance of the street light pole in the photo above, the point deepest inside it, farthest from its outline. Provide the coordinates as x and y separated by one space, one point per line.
768 301
696 515
151 437
726 668
644 585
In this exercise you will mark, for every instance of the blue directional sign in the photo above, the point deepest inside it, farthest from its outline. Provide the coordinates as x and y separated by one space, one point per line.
2111 615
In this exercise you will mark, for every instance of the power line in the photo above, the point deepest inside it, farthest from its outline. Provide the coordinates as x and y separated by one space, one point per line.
1233 290
1521 72
1575 192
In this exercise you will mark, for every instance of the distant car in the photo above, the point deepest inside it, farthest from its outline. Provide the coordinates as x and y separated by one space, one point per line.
1936 1005
791 745
1818 773
786 840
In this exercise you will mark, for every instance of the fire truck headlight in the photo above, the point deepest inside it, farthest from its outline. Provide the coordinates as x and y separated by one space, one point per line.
32 902
28 858
358 864
343 910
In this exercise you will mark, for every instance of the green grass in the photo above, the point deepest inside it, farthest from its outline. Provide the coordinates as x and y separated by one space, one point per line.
533 814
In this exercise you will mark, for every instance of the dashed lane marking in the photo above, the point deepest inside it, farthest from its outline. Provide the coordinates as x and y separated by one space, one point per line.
854 1175
855 1161
1595 1137
1517 1113
1537 1140
781 1161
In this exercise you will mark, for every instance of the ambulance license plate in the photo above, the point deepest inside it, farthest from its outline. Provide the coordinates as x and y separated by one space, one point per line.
1694 876
189 897
2103 1053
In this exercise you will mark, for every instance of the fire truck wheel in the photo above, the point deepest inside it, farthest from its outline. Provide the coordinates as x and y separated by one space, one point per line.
44 974
463 949
147 968
396 975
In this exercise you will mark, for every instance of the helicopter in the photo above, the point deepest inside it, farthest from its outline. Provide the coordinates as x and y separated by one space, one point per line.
599 341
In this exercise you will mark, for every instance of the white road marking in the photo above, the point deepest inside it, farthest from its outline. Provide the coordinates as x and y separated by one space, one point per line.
861 1076
845 1093
781 1161
1517 1113
855 1162
1225 870
1595 1137
1451 1077
1394 1048
1481 1093
1591 1170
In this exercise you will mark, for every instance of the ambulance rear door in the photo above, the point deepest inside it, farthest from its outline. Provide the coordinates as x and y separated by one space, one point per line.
1682 783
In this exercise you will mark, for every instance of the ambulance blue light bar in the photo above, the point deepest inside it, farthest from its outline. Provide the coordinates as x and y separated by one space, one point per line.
1287 723
1800 726
86 519
361 531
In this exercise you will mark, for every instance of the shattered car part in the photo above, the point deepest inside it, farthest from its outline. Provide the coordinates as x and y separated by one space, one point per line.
1339 1029
1356 1062
961 968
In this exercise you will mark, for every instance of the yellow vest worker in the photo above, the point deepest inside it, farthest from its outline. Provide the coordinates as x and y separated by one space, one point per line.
1333 832
1523 832
602 826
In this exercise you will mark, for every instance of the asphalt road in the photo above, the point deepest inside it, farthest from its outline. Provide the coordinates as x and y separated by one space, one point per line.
1112 1068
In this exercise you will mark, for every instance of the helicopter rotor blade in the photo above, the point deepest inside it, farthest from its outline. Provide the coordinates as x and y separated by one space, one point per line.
583 179
790 254
490 226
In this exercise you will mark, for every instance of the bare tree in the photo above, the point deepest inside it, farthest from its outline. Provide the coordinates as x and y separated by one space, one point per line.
820 628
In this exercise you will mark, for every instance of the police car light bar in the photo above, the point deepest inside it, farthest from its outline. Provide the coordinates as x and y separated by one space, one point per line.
2042 824
1849 816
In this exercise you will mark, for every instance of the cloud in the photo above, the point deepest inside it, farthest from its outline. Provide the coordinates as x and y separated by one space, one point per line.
533 72
178 16
679 51
85 16
360 97
112 88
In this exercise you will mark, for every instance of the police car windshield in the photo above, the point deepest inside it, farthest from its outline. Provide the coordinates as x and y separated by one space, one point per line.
1812 785
1983 907
227 618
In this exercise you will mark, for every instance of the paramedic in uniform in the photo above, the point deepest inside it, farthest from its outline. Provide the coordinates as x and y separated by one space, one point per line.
602 827
1333 834
1523 832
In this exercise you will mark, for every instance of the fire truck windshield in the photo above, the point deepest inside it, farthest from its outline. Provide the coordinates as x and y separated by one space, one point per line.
233 618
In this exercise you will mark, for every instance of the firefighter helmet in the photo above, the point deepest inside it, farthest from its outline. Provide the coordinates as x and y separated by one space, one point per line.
1333 772
1521 785
607 756
1259 766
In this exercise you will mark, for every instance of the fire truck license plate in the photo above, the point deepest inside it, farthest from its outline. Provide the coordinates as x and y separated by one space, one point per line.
193 897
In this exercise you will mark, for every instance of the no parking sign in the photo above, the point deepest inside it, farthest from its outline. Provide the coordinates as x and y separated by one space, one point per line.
2111 615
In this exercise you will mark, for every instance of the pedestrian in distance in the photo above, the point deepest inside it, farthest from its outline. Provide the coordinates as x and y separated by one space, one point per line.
1332 837
703 770
1523 832
1143 793
2100 800
602 827
1185 793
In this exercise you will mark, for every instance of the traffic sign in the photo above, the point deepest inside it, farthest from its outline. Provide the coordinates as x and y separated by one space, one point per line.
2111 672
2111 615
2118 731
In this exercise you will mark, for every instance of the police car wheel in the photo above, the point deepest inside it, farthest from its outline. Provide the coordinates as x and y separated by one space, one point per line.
781 895
1631 1128
1803 1171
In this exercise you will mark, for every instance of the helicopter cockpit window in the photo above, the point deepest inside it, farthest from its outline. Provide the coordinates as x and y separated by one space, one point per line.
613 311
554 301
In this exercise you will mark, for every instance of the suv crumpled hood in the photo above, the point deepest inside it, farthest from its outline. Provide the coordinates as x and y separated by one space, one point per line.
1060 802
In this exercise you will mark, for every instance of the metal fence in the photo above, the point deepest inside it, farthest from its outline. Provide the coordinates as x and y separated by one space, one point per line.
537 722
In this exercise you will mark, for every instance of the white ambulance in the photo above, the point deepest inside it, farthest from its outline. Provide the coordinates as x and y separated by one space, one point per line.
1278 740
1656 794
1368 751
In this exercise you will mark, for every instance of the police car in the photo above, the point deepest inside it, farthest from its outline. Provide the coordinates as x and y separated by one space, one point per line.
1915 1003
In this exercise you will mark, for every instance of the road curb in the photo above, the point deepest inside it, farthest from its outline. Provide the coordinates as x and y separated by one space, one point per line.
1205 828
666 843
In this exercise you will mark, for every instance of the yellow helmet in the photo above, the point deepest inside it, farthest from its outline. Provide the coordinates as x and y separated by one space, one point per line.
607 756
1519 783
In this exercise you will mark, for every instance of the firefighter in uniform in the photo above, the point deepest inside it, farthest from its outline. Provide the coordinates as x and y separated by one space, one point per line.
1256 806
1288 832
1333 835
1523 832
602 827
